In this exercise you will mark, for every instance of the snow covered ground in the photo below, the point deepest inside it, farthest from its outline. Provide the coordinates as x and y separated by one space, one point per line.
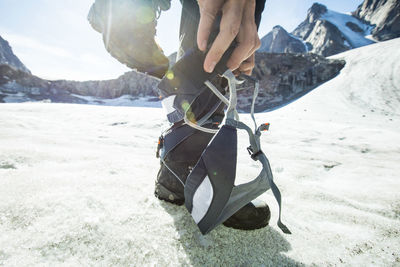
124 100
76 181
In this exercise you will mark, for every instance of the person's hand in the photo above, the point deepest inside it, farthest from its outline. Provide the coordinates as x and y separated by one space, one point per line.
246 67
238 23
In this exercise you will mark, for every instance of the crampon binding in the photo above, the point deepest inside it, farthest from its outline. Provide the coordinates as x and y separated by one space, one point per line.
210 194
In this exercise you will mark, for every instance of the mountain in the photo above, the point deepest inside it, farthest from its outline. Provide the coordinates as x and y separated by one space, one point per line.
7 57
19 86
384 15
282 76
328 32
280 41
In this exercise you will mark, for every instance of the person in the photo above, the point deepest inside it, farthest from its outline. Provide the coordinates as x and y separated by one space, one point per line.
210 26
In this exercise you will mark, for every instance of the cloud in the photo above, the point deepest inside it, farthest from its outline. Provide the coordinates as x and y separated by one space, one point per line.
53 62
23 43
91 59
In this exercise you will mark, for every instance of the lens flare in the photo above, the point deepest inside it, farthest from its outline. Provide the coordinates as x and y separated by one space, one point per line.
185 106
170 75
145 15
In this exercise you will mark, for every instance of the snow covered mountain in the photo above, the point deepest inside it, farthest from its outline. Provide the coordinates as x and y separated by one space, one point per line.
77 181
7 57
384 15
328 32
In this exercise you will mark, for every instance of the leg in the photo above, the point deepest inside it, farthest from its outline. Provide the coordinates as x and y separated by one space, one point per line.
184 145
128 34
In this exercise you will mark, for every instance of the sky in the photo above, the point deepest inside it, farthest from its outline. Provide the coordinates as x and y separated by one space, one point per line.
55 41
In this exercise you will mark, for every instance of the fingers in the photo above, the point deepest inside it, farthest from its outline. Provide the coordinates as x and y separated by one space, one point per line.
247 66
238 23
208 12
232 13
247 39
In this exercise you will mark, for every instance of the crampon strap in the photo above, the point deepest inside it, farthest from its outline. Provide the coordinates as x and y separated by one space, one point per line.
210 194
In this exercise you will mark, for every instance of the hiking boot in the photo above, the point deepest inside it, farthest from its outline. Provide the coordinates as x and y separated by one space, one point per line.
128 28
168 187
179 163
254 215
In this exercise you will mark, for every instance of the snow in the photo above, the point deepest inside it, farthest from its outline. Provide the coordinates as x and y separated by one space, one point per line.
371 37
77 181
124 100
354 38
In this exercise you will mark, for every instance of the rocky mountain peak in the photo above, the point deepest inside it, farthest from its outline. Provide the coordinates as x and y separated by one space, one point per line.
384 15
278 28
315 12
327 32
280 41
279 32
7 57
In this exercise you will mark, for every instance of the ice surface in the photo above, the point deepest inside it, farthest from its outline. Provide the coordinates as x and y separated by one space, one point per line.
77 181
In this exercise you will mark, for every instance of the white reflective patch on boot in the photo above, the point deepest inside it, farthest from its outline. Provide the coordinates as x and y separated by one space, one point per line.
202 200
168 104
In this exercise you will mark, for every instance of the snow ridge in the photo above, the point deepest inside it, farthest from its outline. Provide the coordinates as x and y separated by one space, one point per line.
356 39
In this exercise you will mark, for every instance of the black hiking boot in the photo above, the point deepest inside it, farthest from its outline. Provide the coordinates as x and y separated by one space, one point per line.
181 160
128 29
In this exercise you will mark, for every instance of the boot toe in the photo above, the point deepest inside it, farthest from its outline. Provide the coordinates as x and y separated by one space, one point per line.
254 215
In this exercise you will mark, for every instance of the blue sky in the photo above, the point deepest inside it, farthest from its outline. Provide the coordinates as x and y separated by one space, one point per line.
55 41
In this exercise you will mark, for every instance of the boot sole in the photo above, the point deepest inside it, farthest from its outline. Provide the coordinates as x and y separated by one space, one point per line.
162 193
250 225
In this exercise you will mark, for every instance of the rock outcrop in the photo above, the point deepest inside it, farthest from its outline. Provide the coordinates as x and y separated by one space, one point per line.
280 41
323 38
384 14
7 56
21 86
26 87
131 83
286 77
